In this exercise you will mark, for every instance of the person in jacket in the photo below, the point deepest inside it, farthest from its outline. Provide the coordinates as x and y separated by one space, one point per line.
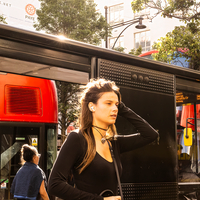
86 154
29 181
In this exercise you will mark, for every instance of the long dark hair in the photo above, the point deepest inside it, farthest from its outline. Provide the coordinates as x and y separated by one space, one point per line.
93 91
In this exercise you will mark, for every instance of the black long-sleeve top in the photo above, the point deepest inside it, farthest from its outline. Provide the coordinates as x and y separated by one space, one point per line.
100 174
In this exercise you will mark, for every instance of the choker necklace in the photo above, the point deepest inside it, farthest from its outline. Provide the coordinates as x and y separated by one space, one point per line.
100 128
103 139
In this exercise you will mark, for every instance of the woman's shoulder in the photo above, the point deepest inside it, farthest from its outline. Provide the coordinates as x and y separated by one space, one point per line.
76 144
76 135
31 169
75 138
38 174
41 172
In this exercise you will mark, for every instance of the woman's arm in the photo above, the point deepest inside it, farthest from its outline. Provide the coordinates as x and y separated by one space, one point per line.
147 133
43 191
71 151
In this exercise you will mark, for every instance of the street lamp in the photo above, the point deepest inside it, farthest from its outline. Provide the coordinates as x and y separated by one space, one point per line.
130 22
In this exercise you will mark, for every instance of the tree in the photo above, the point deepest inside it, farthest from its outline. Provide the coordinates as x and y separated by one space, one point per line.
181 42
186 10
68 105
78 20
133 51
120 49
75 19
136 52
2 19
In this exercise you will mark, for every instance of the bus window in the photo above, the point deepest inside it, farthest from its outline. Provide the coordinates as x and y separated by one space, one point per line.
11 140
51 147
188 108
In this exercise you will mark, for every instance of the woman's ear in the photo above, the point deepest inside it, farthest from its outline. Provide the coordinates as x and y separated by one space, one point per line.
91 107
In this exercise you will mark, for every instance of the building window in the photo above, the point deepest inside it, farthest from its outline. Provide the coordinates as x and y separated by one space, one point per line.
116 14
143 39
119 43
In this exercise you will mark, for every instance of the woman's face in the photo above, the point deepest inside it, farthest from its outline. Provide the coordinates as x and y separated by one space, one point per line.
106 109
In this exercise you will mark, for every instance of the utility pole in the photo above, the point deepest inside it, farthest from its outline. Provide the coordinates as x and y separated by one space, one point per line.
128 23
106 17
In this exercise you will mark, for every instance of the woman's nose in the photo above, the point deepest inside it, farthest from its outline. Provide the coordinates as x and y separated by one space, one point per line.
115 108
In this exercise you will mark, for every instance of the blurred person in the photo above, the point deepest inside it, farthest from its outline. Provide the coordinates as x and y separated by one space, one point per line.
187 175
29 181
86 152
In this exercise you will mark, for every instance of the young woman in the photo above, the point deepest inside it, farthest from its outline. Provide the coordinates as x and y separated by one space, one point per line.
86 153
29 180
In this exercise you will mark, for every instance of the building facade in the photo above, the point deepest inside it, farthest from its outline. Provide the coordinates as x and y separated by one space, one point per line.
119 11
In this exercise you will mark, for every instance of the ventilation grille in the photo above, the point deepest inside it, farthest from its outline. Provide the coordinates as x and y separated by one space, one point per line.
150 191
22 100
136 77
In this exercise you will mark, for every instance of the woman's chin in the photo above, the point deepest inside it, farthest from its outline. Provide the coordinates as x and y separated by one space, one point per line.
111 122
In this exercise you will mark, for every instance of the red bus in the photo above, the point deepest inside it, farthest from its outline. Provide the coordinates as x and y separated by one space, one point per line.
28 115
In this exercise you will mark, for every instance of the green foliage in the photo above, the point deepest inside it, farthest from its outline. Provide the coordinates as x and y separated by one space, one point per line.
185 10
74 19
136 52
3 19
68 105
181 38
120 49
138 5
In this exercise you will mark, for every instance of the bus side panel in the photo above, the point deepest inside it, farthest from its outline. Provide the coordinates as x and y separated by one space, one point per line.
149 172
157 161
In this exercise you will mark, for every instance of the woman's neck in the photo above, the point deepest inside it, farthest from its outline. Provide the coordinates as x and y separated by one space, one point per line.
100 124
100 128
99 133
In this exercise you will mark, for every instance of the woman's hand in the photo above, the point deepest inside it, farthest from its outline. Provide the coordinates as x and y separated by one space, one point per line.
112 198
